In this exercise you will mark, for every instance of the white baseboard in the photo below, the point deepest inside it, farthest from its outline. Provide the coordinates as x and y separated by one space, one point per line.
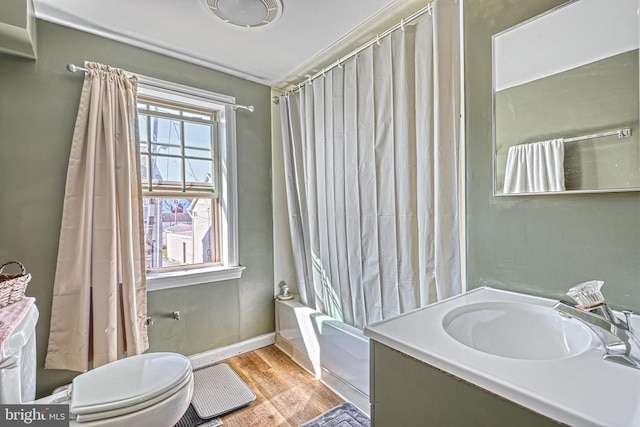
217 354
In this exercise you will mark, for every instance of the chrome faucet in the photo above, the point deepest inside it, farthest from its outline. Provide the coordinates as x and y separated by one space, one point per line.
590 308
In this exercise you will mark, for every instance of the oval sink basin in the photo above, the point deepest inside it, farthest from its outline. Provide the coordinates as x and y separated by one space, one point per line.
517 331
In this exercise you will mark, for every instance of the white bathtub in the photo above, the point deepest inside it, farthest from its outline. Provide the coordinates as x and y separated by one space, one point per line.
336 353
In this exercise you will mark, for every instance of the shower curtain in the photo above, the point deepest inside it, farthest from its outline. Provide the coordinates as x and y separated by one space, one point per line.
99 303
372 168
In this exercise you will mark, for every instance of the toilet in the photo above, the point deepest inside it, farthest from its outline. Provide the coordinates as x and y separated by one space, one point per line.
152 389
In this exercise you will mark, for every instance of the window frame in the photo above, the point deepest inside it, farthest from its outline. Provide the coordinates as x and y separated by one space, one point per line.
226 157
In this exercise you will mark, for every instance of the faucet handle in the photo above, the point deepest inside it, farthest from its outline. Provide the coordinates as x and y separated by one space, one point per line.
627 317
587 294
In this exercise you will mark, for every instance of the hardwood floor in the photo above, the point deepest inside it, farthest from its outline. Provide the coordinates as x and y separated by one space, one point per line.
286 394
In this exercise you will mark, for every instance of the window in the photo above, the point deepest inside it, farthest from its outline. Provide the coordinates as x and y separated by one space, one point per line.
187 159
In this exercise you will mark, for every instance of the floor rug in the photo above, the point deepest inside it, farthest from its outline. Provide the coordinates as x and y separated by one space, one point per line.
217 390
345 415
191 419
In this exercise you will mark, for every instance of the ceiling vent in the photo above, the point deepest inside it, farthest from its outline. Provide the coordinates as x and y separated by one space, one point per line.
246 13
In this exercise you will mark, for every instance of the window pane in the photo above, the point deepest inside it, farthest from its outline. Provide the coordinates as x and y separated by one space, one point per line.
144 168
144 147
197 115
198 135
166 169
143 122
180 231
165 131
198 171
165 110
197 152
166 149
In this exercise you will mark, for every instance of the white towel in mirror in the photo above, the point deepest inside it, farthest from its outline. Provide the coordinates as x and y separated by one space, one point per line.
535 168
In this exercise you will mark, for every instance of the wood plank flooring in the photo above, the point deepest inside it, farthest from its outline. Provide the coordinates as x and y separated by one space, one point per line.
286 394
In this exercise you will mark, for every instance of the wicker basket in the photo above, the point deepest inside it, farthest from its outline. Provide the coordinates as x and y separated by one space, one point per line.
13 286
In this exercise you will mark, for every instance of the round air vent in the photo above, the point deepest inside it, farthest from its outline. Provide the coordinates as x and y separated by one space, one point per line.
246 13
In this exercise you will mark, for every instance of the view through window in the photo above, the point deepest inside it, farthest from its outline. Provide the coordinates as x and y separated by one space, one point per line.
179 168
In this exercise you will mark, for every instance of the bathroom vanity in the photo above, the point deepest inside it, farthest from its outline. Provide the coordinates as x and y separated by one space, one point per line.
407 391
498 358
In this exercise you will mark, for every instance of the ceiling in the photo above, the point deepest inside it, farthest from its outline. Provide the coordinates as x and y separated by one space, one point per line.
188 30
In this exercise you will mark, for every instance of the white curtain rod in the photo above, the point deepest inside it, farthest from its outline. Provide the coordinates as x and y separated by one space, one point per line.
427 9
74 69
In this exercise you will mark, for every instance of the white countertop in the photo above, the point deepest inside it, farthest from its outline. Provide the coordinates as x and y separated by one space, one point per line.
582 390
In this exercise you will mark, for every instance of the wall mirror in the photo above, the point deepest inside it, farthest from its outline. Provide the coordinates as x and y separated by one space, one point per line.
566 101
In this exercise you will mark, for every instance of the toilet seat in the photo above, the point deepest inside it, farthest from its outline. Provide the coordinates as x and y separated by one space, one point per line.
128 385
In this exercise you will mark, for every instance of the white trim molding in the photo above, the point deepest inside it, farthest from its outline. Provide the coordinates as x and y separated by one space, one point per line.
210 357
196 276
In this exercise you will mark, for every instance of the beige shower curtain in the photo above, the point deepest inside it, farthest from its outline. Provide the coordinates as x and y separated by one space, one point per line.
99 297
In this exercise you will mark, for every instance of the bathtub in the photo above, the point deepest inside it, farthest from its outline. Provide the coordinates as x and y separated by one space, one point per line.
334 352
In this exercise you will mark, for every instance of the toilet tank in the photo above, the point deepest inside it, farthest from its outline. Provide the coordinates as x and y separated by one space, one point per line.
18 352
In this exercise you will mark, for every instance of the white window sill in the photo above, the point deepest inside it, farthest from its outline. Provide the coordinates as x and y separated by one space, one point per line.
179 278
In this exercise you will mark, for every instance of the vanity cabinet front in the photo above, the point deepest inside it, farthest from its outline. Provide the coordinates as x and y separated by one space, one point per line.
408 392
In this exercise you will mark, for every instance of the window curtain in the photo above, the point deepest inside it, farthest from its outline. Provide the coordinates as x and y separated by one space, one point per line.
371 167
99 309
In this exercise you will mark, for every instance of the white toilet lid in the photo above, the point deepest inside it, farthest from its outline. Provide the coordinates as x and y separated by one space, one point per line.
128 382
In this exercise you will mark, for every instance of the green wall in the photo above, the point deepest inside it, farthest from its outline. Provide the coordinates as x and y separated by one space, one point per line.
38 105
539 245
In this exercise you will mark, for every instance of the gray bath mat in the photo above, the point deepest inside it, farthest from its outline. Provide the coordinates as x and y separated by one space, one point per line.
345 415
218 390
191 419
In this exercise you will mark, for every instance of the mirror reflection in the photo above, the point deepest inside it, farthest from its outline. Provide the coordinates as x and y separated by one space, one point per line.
566 99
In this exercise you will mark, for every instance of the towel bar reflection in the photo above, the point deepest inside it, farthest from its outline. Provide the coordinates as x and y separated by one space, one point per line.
621 133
